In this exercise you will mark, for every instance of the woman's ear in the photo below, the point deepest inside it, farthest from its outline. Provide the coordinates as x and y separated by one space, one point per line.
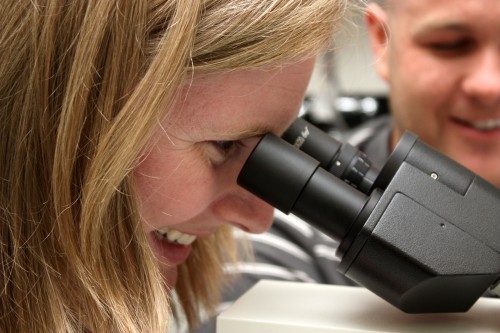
376 21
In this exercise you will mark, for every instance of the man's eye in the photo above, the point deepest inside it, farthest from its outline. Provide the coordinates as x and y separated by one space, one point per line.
460 46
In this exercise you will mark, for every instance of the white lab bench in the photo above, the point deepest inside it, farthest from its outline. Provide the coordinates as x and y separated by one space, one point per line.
289 307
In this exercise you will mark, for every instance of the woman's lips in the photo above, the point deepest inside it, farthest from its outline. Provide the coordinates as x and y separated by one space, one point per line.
174 236
172 247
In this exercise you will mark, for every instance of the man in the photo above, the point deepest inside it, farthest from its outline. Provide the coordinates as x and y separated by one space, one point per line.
441 60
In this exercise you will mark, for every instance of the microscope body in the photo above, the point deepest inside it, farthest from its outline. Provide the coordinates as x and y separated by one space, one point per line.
423 233
432 241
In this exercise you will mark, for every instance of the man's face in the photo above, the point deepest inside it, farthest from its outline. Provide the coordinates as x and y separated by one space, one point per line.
442 63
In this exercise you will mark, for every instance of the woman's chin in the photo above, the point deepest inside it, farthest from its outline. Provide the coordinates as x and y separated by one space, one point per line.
170 276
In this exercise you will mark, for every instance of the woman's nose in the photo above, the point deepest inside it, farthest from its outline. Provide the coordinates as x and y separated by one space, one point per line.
482 82
244 210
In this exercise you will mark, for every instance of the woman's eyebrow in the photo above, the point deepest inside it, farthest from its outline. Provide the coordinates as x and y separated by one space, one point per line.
244 134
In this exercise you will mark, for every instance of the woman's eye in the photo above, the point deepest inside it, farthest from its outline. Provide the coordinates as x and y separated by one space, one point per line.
225 150
226 147
221 151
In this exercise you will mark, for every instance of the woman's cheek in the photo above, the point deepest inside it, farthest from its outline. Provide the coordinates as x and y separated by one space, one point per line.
178 195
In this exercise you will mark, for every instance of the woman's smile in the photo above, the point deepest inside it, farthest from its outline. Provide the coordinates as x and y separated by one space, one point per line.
172 245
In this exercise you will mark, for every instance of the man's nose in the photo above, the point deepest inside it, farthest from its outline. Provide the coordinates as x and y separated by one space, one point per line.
245 211
482 81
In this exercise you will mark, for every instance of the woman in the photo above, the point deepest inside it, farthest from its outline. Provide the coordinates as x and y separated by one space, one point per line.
124 126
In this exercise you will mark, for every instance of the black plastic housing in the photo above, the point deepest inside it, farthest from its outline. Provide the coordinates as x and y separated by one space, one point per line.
425 236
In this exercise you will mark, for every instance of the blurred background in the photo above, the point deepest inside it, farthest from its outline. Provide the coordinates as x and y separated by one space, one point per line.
345 90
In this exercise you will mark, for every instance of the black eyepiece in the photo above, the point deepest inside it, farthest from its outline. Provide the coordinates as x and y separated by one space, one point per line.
293 182
341 159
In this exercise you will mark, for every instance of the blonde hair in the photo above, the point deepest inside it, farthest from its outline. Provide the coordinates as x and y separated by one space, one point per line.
83 85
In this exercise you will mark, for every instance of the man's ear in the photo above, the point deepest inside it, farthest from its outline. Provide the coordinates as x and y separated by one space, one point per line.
376 21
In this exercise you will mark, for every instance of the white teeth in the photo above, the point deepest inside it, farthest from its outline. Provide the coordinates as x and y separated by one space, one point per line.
186 239
175 236
486 125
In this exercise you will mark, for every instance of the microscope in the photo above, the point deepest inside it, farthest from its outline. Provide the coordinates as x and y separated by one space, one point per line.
423 233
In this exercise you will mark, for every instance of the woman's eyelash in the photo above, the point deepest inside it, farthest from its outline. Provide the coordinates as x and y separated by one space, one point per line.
227 147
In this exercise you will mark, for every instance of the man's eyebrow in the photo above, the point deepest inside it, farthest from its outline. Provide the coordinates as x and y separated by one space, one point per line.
440 26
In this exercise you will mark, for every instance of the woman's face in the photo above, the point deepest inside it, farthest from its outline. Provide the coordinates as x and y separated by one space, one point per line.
187 183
